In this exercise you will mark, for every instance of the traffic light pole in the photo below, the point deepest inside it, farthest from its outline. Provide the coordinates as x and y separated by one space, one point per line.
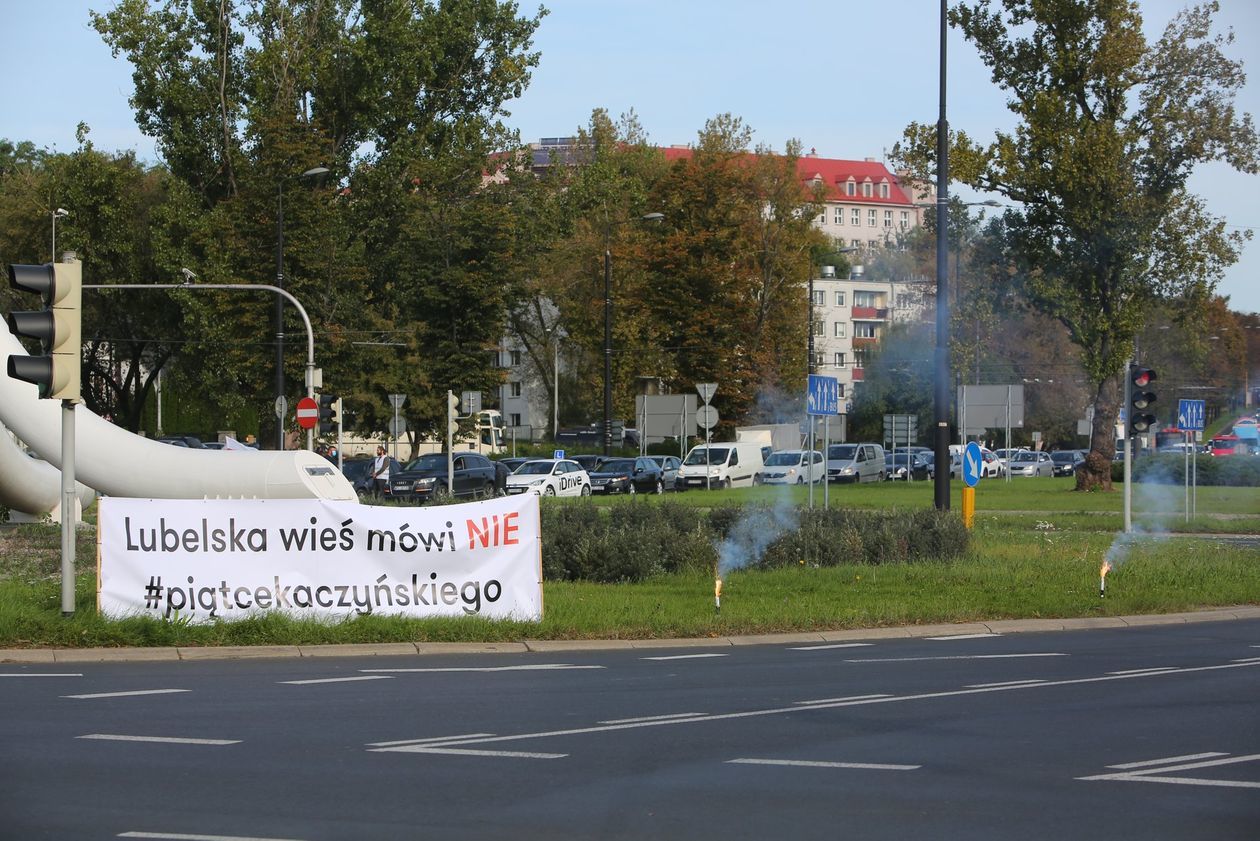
1128 448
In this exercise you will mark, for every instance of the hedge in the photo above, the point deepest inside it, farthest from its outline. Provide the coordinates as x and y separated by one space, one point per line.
1169 469
639 539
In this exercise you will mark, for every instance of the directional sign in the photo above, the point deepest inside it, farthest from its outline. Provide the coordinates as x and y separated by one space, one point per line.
307 413
1190 414
973 464
824 395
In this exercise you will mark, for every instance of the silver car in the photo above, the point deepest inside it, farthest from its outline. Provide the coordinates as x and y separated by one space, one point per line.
1030 463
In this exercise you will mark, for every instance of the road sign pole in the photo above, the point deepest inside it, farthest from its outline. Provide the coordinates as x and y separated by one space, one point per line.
968 506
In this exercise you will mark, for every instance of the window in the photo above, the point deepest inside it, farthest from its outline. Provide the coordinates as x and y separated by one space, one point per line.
515 418
850 188
883 190
819 359
865 299
859 358
820 297
871 216
515 357
822 220
856 243
841 385
856 217
887 218
838 329
840 362
514 389
905 218
864 330
839 215
839 299
818 328
866 189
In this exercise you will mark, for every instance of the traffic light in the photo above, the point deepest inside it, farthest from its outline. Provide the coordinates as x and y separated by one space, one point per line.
1140 416
57 327
329 413
452 413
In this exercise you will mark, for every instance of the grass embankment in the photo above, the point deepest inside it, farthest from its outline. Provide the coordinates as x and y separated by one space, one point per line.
1035 552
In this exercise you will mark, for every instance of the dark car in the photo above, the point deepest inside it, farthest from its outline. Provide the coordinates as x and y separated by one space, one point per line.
627 476
513 462
589 463
1065 461
898 464
183 441
669 469
473 475
359 472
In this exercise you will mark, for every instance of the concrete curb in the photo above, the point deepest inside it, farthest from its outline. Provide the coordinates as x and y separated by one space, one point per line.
41 656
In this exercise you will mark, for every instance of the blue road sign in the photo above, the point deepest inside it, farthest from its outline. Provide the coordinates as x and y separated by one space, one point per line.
1190 414
973 464
824 395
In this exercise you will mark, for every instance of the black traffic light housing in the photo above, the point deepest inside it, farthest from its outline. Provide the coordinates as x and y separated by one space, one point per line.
1140 416
57 326
329 413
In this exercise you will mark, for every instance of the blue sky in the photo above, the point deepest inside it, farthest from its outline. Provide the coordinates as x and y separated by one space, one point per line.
843 77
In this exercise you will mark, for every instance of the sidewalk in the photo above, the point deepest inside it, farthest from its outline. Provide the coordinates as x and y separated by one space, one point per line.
999 626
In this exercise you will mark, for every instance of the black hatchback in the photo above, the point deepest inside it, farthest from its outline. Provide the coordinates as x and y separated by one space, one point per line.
628 476
424 478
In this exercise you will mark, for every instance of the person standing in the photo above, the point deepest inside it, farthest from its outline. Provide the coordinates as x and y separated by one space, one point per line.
380 471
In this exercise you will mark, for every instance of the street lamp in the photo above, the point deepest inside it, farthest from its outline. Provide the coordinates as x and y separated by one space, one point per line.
310 173
59 213
608 314
554 335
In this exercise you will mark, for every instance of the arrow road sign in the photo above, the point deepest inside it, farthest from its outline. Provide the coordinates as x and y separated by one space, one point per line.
1190 414
972 466
824 395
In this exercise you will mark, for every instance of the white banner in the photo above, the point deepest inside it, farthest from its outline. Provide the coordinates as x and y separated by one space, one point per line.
207 560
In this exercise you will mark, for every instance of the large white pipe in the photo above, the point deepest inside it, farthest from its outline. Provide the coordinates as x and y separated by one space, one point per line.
118 463
31 485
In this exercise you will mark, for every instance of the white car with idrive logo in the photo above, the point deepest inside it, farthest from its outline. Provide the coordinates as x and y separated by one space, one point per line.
550 477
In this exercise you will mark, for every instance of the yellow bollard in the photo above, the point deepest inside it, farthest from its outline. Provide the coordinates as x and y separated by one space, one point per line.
968 506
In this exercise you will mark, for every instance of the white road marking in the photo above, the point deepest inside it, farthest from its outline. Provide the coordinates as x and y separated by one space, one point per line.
841 700
161 739
41 674
1030 682
961 637
957 657
429 741
180 836
650 718
335 679
467 752
834 645
126 694
1248 660
867 766
1153 775
538 667
684 657
796 708
1166 760
1144 671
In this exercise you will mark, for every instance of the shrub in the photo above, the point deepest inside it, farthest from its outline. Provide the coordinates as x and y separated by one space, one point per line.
1169 469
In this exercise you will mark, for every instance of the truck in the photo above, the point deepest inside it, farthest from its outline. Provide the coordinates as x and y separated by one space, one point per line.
779 436
482 433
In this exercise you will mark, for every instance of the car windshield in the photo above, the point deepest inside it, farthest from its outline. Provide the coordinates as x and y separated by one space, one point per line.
432 461
841 451
1063 458
709 455
1030 457
783 460
616 465
899 458
538 468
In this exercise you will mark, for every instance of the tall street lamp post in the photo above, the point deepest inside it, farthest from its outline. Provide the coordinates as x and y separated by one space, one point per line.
310 173
608 316
940 440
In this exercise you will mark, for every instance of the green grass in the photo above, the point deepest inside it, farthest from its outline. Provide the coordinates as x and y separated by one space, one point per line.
1036 550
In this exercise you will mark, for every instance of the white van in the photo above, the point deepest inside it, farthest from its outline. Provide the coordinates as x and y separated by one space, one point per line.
855 463
730 465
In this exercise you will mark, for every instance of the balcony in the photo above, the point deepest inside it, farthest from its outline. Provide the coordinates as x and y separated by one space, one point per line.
865 341
870 313
857 375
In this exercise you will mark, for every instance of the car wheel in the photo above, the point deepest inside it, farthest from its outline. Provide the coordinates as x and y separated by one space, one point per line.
586 490
489 490
440 494
724 484
633 490
800 480
549 491
660 486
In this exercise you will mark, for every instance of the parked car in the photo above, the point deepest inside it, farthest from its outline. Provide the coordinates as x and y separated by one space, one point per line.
359 472
589 462
1065 461
424 478
729 465
191 441
855 463
793 467
1030 463
669 469
550 477
898 465
513 462
627 476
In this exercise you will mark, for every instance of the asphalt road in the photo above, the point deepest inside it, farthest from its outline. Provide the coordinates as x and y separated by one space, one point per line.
1149 733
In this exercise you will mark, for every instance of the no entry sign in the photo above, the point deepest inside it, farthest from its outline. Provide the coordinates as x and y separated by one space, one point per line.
307 413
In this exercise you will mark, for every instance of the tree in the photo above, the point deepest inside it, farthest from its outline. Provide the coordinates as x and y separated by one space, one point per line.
1110 128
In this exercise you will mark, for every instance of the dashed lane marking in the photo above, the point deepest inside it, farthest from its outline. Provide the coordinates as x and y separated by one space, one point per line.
961 637
42 674
166 740
1030 682
429 741
843 700
127 694
1155 775
1168 760
957 657
650 718
510 754
684 657
833 645
804 763
334 680
181 836
535 667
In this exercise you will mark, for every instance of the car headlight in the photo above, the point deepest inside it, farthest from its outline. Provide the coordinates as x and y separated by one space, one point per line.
425 483
846 470
537 481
